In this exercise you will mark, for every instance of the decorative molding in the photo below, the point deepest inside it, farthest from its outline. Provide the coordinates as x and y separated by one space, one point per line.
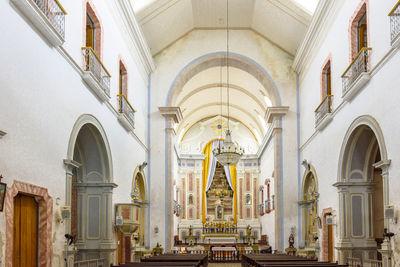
275 113
192 156
313 32
174 113
135 35
324 122
357 85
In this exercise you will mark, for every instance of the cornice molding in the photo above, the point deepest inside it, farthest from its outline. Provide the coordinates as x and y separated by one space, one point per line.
171 112
275 112
135 34
314 30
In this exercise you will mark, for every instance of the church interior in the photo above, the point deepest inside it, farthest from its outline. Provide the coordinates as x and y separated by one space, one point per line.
199 132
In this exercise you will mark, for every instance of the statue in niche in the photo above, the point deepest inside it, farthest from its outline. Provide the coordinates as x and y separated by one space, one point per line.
190 199
219 212
248 199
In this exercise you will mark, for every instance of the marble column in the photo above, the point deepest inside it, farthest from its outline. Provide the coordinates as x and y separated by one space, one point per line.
173 115
274 116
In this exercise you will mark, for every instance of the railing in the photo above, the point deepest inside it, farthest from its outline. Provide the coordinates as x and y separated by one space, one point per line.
90 263
356 67
372 263
395 21
323 108
93 64
126 108
54 12
354 262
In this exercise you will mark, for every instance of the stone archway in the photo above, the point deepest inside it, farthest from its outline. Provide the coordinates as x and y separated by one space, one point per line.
89 191
362 184
274 115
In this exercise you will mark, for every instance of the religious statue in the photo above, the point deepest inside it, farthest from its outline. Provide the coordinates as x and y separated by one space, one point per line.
206 227
190 230
248 230
291 240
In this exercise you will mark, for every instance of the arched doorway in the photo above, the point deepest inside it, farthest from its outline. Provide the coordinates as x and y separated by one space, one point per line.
362 189
309 210
89 191
139 196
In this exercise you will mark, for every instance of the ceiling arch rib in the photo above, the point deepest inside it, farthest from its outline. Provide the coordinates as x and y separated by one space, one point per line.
219 59
181 135
217 105
223 85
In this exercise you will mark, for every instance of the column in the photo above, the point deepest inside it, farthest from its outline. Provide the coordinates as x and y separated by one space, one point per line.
386 248
69 251
274 116
173 115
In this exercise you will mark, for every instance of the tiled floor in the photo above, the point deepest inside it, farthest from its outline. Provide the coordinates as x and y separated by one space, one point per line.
224 264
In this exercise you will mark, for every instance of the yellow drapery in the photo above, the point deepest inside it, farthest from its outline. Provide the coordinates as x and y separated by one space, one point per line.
206 165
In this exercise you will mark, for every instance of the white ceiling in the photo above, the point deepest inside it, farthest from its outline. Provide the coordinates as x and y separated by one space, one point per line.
284 22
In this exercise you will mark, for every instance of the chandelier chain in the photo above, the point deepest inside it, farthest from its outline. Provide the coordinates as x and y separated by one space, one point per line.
227 57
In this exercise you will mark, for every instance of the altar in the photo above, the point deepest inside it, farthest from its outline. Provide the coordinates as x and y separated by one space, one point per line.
220 239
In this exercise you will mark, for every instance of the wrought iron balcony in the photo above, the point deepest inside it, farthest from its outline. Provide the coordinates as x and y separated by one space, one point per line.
54 12
395 23
126 109
47 15
323 109
96 75
357 67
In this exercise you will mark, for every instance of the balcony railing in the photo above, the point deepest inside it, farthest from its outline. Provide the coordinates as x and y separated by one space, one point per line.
54 12
359 65
93 64
90 263
323 109
395 21
126 109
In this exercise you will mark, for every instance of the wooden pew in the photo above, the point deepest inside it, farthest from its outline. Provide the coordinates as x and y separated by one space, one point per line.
160 264
282 260
202 258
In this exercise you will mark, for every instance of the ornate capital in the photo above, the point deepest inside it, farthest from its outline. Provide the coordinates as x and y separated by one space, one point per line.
275 113
71 164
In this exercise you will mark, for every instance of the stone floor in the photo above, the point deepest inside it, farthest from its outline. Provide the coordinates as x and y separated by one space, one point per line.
224 264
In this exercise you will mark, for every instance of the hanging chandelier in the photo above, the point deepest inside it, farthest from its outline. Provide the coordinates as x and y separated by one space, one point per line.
227 152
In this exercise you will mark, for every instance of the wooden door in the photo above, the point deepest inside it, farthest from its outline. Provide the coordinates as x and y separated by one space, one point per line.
330 243
127 248
25 231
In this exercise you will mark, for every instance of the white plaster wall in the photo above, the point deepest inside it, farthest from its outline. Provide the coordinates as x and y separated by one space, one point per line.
377 99
43 94
266 172
198 43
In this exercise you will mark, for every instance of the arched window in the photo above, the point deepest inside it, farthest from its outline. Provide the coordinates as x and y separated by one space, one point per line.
359 30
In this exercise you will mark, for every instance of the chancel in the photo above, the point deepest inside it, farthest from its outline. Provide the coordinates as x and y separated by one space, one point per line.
199 132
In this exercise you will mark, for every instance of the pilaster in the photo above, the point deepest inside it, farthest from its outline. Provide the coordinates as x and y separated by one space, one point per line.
173 115
273 115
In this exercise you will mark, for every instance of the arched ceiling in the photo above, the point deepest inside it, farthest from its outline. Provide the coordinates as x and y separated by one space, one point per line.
283 22
204 95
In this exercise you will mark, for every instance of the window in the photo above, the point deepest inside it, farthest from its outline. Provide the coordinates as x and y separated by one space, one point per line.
90 32
93 31
122 84
326 80
359 30
362 32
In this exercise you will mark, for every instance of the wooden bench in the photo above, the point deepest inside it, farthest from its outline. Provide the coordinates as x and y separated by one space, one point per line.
282 260
174 258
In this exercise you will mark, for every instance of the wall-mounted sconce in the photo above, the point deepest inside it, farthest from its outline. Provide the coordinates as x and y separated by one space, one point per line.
306 165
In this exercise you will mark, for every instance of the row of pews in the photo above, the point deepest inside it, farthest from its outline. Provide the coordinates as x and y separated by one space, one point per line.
181 260
281 260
